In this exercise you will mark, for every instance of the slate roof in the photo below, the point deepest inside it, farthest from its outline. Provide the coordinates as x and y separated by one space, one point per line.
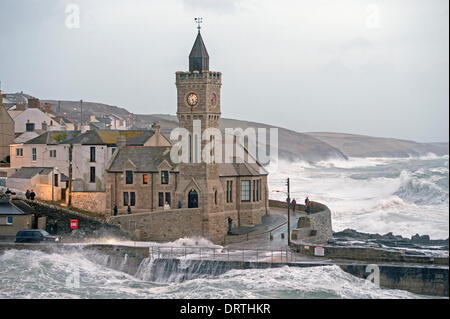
199 57
8 209
145 159
241 169
109 137
53 137
29 172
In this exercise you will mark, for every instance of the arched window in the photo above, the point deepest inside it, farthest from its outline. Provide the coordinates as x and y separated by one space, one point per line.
193 199
215 197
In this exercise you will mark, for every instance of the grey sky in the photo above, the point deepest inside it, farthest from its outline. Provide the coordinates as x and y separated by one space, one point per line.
368 67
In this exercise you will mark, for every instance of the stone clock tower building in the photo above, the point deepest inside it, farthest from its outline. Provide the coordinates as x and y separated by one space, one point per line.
198 100
201 195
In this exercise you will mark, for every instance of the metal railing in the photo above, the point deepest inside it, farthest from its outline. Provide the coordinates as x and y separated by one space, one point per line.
223 254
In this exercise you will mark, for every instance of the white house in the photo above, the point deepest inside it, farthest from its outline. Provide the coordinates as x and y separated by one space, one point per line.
32 119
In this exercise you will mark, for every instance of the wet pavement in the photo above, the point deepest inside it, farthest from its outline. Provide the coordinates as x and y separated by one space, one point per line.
259 235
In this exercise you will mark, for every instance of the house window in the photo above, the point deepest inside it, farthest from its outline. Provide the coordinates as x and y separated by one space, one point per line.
125 199
7 220
228 191
19 152
161 199
92 177
257 189
231 191
29 127
164 177
33 154
53 153
132 198
254 191
129 177
145 179
113 150
92 154
245 191
168 198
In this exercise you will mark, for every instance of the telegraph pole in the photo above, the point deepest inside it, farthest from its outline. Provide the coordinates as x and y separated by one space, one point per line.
289 212
81 115
69 203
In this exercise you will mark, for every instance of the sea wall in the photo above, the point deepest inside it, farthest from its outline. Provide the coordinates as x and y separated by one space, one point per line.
163 225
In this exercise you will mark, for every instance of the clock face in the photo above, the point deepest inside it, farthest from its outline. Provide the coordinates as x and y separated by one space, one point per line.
213 99
192 99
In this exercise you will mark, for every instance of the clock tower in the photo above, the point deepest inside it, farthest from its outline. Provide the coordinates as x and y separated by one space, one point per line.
198 103
198 90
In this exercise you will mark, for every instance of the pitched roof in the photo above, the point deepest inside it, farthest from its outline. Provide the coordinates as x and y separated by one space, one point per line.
199 57
53 137
241 169
145 159
109 137
7 208
29 172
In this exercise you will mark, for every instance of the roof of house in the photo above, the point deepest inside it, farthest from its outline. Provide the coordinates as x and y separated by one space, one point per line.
7 208
109 137
241 169
29 172
25 136
145 159
53 137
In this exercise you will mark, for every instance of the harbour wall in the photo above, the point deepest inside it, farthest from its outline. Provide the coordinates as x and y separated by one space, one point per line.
137 261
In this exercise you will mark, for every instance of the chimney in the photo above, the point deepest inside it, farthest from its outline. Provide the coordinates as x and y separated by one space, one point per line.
47 107
157 128
44 126
121 141
34 103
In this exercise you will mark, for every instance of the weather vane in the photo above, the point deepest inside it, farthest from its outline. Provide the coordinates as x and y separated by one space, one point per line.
199 21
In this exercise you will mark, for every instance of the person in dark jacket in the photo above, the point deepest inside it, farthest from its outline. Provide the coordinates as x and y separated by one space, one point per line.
230 224
27 194
32 195
115 210
129 209
308 205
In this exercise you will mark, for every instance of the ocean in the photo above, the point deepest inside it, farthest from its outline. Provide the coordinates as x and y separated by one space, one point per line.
404 196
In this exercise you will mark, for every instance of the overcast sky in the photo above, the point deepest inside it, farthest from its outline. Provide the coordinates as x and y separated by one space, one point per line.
369 67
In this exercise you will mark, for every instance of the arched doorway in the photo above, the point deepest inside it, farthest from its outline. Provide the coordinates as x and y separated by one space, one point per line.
193 199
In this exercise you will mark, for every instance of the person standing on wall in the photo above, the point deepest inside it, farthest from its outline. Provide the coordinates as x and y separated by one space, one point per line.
308 206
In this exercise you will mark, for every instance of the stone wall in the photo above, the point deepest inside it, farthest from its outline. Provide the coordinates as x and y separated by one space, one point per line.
315 228
90 201
162 225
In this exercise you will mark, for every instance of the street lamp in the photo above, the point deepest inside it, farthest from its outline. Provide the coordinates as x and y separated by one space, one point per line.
289 213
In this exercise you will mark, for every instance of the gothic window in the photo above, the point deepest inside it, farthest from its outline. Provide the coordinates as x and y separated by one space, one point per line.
245 191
